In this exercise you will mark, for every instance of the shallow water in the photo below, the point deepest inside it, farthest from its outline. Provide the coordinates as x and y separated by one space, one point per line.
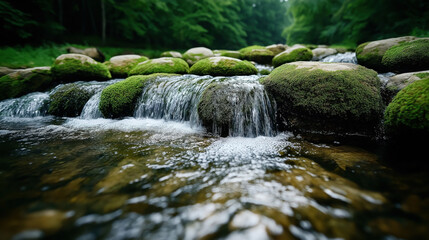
145 178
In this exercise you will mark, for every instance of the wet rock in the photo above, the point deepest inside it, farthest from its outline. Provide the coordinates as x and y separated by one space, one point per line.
120 66
399 82
193 55
322 52
407 56
223 66
277 48
293 54
68 101
161 65
93 53
370 54
24 81
78 67
338 98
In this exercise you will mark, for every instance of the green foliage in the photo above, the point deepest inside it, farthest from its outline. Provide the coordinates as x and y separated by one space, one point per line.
161 65
323 99
354 21
68 101
299 54
408 56
72 70
223 66
409 110
119 99
20 83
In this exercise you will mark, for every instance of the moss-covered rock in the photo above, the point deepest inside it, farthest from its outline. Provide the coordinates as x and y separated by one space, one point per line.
293 54
408 113
223 66
335 97
161 65
69 100
93 53
277 48
370 54
408 56
228 53
257 54
399 82
119 99
24 81
78 67
321 52
171 54
120 66
193 55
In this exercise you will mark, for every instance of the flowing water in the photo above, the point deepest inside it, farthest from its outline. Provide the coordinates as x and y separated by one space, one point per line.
159 175
347 57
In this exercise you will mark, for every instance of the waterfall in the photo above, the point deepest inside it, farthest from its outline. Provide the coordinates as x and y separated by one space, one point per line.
177 99
28 106
91 110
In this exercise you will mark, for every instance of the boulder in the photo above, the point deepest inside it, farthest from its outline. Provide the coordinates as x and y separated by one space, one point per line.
120 66
408 113
119 99
193 55
277 48
407 56
24 81
340 98
258 54
293 54
228 53
93 53
399 82
223 66
77 67
171 54
161 65
69 100
321 52
370 54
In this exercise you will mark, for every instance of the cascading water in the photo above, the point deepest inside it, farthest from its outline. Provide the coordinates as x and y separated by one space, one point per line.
30 105
347 57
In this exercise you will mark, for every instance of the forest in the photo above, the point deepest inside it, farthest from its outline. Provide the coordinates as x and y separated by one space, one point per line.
229 24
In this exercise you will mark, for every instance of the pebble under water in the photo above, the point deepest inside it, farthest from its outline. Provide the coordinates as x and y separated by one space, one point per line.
148 177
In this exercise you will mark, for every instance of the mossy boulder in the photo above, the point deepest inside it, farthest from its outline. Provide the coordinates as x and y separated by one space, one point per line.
119 99
69 100
293 54
228 53
277 48
340 98
120 66
258 54
161 65
24 81
93 53
171 54
399 82
370 54
408 113
223 66
193 55
408 56
78 67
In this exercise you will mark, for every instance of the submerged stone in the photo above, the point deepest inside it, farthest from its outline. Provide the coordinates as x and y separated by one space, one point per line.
161 65
334 97
78 67
24 81
223 66
120 66
193 55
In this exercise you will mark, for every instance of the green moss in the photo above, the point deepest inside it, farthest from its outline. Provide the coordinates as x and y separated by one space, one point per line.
123 70
72 70
223 66
265 72
69 101
326 100
262 56
371 59
18 84
408 56
422 75
228 53
161 65
119 99
299 54
250 48
409 110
